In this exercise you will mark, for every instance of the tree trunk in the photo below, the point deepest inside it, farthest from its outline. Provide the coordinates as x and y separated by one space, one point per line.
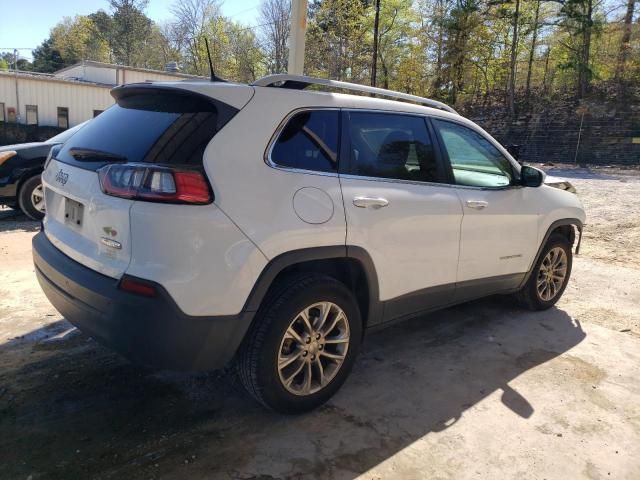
584 74
546 69
625 45
512 63
534 39
437 84
374 60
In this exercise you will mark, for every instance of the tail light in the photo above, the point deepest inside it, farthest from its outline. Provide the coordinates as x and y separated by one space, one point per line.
155 183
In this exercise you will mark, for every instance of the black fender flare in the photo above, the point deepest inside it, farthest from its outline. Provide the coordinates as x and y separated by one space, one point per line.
574 222
287 259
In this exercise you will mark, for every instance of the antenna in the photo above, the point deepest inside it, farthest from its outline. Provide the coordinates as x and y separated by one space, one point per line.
214 78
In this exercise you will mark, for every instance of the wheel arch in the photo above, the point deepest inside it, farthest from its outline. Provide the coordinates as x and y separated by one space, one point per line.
26 175
567 227
350 265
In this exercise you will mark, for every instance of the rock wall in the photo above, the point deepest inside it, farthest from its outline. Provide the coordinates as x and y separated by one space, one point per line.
602 129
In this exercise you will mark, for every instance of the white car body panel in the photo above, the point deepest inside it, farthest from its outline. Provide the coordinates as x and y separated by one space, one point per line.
501 238
83 242
259 197
413 241
205 262
209 257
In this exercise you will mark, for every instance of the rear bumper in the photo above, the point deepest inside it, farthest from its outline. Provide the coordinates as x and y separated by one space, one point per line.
148 331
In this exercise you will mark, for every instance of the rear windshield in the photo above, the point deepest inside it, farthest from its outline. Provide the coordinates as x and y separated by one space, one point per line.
156 126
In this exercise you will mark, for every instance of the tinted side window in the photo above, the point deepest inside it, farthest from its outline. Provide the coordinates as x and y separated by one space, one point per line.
389 145
309 141
474 160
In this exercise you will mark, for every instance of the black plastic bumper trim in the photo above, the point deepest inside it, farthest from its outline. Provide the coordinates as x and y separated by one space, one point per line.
148 331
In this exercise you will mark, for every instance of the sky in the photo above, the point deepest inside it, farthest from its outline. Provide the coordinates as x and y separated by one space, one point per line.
26 23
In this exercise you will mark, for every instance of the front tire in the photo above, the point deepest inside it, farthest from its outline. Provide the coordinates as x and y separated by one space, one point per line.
31 198
303 344
550 275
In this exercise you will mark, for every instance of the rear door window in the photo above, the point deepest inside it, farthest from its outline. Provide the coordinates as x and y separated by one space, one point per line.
309 141
390 145
162 127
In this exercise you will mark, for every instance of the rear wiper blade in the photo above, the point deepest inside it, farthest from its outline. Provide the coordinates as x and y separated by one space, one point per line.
91 154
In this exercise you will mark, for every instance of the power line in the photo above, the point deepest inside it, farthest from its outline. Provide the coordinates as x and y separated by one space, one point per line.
241 12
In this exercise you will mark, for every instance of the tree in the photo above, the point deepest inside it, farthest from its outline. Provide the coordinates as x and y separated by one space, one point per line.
532 48
578 22
396 28
275 21
193 20
77 39
4 65
247 58
513 58
625 42
130 29
46 58
337 43
463 21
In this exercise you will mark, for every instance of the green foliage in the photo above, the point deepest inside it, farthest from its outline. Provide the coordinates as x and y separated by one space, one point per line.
130 27
47 59
455 50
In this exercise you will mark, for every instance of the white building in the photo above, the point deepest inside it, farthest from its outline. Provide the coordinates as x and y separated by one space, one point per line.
71 95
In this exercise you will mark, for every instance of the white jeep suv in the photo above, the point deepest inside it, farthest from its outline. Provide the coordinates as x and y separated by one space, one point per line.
198 224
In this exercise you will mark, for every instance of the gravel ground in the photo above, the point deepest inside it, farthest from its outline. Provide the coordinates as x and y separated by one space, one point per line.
483 390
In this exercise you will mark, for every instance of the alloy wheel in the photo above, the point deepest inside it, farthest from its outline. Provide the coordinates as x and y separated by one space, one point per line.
313 348
552 274
37 198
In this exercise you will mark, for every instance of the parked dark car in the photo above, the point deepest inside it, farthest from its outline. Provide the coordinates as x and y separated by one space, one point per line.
20 169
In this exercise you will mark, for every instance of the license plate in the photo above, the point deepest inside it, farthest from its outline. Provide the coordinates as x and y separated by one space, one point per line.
73 212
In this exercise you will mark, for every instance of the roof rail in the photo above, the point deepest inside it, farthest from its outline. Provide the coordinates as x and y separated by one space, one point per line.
300 82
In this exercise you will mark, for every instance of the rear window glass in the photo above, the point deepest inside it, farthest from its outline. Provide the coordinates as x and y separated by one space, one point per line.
161 128
309 141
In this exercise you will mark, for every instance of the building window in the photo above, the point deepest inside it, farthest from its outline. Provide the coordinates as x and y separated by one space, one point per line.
97 112
11 115
2 112
63 117
32 114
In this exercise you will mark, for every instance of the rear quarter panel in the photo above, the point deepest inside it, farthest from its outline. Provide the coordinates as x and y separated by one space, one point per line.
258 197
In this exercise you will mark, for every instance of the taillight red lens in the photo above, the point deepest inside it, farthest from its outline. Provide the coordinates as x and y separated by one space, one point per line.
191 187
155 183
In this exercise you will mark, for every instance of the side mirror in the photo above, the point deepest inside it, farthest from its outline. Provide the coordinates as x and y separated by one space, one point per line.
531 177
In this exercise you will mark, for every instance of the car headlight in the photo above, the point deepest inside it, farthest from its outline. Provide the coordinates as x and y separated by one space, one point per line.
564 185
4 156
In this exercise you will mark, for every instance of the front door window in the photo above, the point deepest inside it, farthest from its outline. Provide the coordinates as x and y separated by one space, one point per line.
474 160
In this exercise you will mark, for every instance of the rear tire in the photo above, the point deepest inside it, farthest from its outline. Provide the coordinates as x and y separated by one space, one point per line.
31 198
549 276
292 365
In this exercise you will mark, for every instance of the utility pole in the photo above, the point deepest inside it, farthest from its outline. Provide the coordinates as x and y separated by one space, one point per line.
15 65
296 37
374 60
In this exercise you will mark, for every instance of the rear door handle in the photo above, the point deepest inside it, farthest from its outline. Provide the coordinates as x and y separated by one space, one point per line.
477 204
373 202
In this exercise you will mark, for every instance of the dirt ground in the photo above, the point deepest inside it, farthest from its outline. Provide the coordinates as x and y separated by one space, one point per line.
483 390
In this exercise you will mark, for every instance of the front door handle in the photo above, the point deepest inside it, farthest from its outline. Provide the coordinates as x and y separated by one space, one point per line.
477 204
373 202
